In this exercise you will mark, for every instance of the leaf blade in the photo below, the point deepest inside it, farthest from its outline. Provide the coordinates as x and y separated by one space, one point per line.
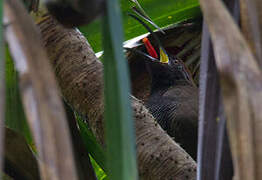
119 123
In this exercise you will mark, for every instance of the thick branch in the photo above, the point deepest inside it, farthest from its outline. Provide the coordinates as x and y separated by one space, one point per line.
80 75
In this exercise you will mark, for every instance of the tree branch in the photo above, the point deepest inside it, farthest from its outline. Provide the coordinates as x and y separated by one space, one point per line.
80 76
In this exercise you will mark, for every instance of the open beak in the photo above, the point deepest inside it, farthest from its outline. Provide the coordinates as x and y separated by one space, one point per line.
150 49
152 52
163 56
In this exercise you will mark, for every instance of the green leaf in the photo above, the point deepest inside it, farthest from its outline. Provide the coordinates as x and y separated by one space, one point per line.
100 174
91 144
163 13
15 118
121 156
5 176
2 85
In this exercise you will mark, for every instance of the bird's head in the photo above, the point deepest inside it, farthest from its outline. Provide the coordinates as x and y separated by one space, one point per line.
168 73
165 69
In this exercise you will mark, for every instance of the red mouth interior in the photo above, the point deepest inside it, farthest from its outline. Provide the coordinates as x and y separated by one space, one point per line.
150 49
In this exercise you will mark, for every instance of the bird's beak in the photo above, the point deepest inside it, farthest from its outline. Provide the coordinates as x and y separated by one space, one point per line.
163 56
142 54
152 52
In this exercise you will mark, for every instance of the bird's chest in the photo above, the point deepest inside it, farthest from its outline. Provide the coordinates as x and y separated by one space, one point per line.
174 102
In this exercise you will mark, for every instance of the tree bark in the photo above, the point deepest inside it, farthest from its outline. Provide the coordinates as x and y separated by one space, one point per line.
80 76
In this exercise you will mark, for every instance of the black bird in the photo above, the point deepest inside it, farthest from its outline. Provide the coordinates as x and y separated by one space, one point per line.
173 100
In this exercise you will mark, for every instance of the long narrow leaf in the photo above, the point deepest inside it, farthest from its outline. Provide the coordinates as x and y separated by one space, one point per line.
2 85
213 144
162 13
20 162
119 123
15 117
240 78
84 166
92 146
146 18
43 105
251 22
208 111
212 140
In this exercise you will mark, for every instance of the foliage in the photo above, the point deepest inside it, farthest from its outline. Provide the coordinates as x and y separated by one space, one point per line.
92 146
99 172
163 13
120 140
15 117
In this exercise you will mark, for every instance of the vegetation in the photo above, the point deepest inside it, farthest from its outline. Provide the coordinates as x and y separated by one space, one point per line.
79 117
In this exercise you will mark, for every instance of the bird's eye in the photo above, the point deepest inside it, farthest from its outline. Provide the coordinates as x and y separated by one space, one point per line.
176 61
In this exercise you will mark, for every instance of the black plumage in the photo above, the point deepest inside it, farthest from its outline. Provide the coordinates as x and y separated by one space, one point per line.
174 102
173 99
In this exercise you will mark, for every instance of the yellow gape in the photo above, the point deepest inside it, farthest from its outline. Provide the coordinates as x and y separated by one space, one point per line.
163 56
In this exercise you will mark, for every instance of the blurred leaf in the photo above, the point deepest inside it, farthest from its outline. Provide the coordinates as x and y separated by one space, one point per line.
251 26
2 85
140 12
240 79
91 144
121 156
20 162
15 117
83 163
163 13
5 176
99 172
39 90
